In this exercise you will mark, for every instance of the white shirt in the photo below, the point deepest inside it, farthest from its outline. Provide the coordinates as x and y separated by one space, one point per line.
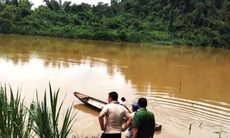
114 113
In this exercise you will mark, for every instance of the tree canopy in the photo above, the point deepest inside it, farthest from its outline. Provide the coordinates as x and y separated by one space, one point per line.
174 22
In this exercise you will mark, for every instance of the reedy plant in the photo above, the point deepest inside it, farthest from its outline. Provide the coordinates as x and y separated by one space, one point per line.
18 121
46 120
13 115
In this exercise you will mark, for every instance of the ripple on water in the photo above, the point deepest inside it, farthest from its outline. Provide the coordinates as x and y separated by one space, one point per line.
178 114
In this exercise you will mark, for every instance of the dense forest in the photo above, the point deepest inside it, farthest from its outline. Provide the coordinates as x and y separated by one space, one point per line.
173 22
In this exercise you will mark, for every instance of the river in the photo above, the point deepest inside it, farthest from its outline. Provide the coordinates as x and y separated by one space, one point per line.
184 86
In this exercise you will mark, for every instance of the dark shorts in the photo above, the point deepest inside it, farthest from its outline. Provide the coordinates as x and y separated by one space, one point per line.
111 135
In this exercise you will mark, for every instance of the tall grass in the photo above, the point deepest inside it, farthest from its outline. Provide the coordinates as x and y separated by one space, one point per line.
12 116
46 121
18 121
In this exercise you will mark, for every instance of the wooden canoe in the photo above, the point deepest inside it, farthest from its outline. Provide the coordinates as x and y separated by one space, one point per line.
90 101
98 104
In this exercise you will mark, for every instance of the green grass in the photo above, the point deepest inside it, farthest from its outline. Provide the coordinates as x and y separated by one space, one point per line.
18 121
13 115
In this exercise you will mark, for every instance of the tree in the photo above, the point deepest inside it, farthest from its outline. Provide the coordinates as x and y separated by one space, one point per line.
53 4
66 6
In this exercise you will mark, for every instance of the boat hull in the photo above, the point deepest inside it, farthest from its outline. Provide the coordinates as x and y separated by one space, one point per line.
90 101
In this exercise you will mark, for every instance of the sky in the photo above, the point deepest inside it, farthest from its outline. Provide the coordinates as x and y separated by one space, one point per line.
40 2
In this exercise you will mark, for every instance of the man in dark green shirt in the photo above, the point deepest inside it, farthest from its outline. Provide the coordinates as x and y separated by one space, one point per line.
143 121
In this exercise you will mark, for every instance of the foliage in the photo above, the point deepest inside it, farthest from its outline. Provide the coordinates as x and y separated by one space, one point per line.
189 22
46 122
13 115
18 121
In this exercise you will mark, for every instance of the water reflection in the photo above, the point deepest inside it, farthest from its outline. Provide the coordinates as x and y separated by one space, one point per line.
86 109
184 85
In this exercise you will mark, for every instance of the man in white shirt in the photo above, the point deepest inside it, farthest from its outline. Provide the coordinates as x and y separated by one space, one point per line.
114 114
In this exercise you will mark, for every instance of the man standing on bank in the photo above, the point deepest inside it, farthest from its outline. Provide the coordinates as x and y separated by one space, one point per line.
143 121
114 114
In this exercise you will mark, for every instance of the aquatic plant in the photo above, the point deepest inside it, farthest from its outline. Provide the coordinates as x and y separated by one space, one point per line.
18 121
46 121
13 115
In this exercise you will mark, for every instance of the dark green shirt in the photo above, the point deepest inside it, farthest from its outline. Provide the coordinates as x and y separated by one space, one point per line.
145 122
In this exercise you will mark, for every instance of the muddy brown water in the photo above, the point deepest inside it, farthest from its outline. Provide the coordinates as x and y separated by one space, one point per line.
184 85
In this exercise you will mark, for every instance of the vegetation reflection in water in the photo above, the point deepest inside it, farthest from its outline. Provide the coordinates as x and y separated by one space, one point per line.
129 59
